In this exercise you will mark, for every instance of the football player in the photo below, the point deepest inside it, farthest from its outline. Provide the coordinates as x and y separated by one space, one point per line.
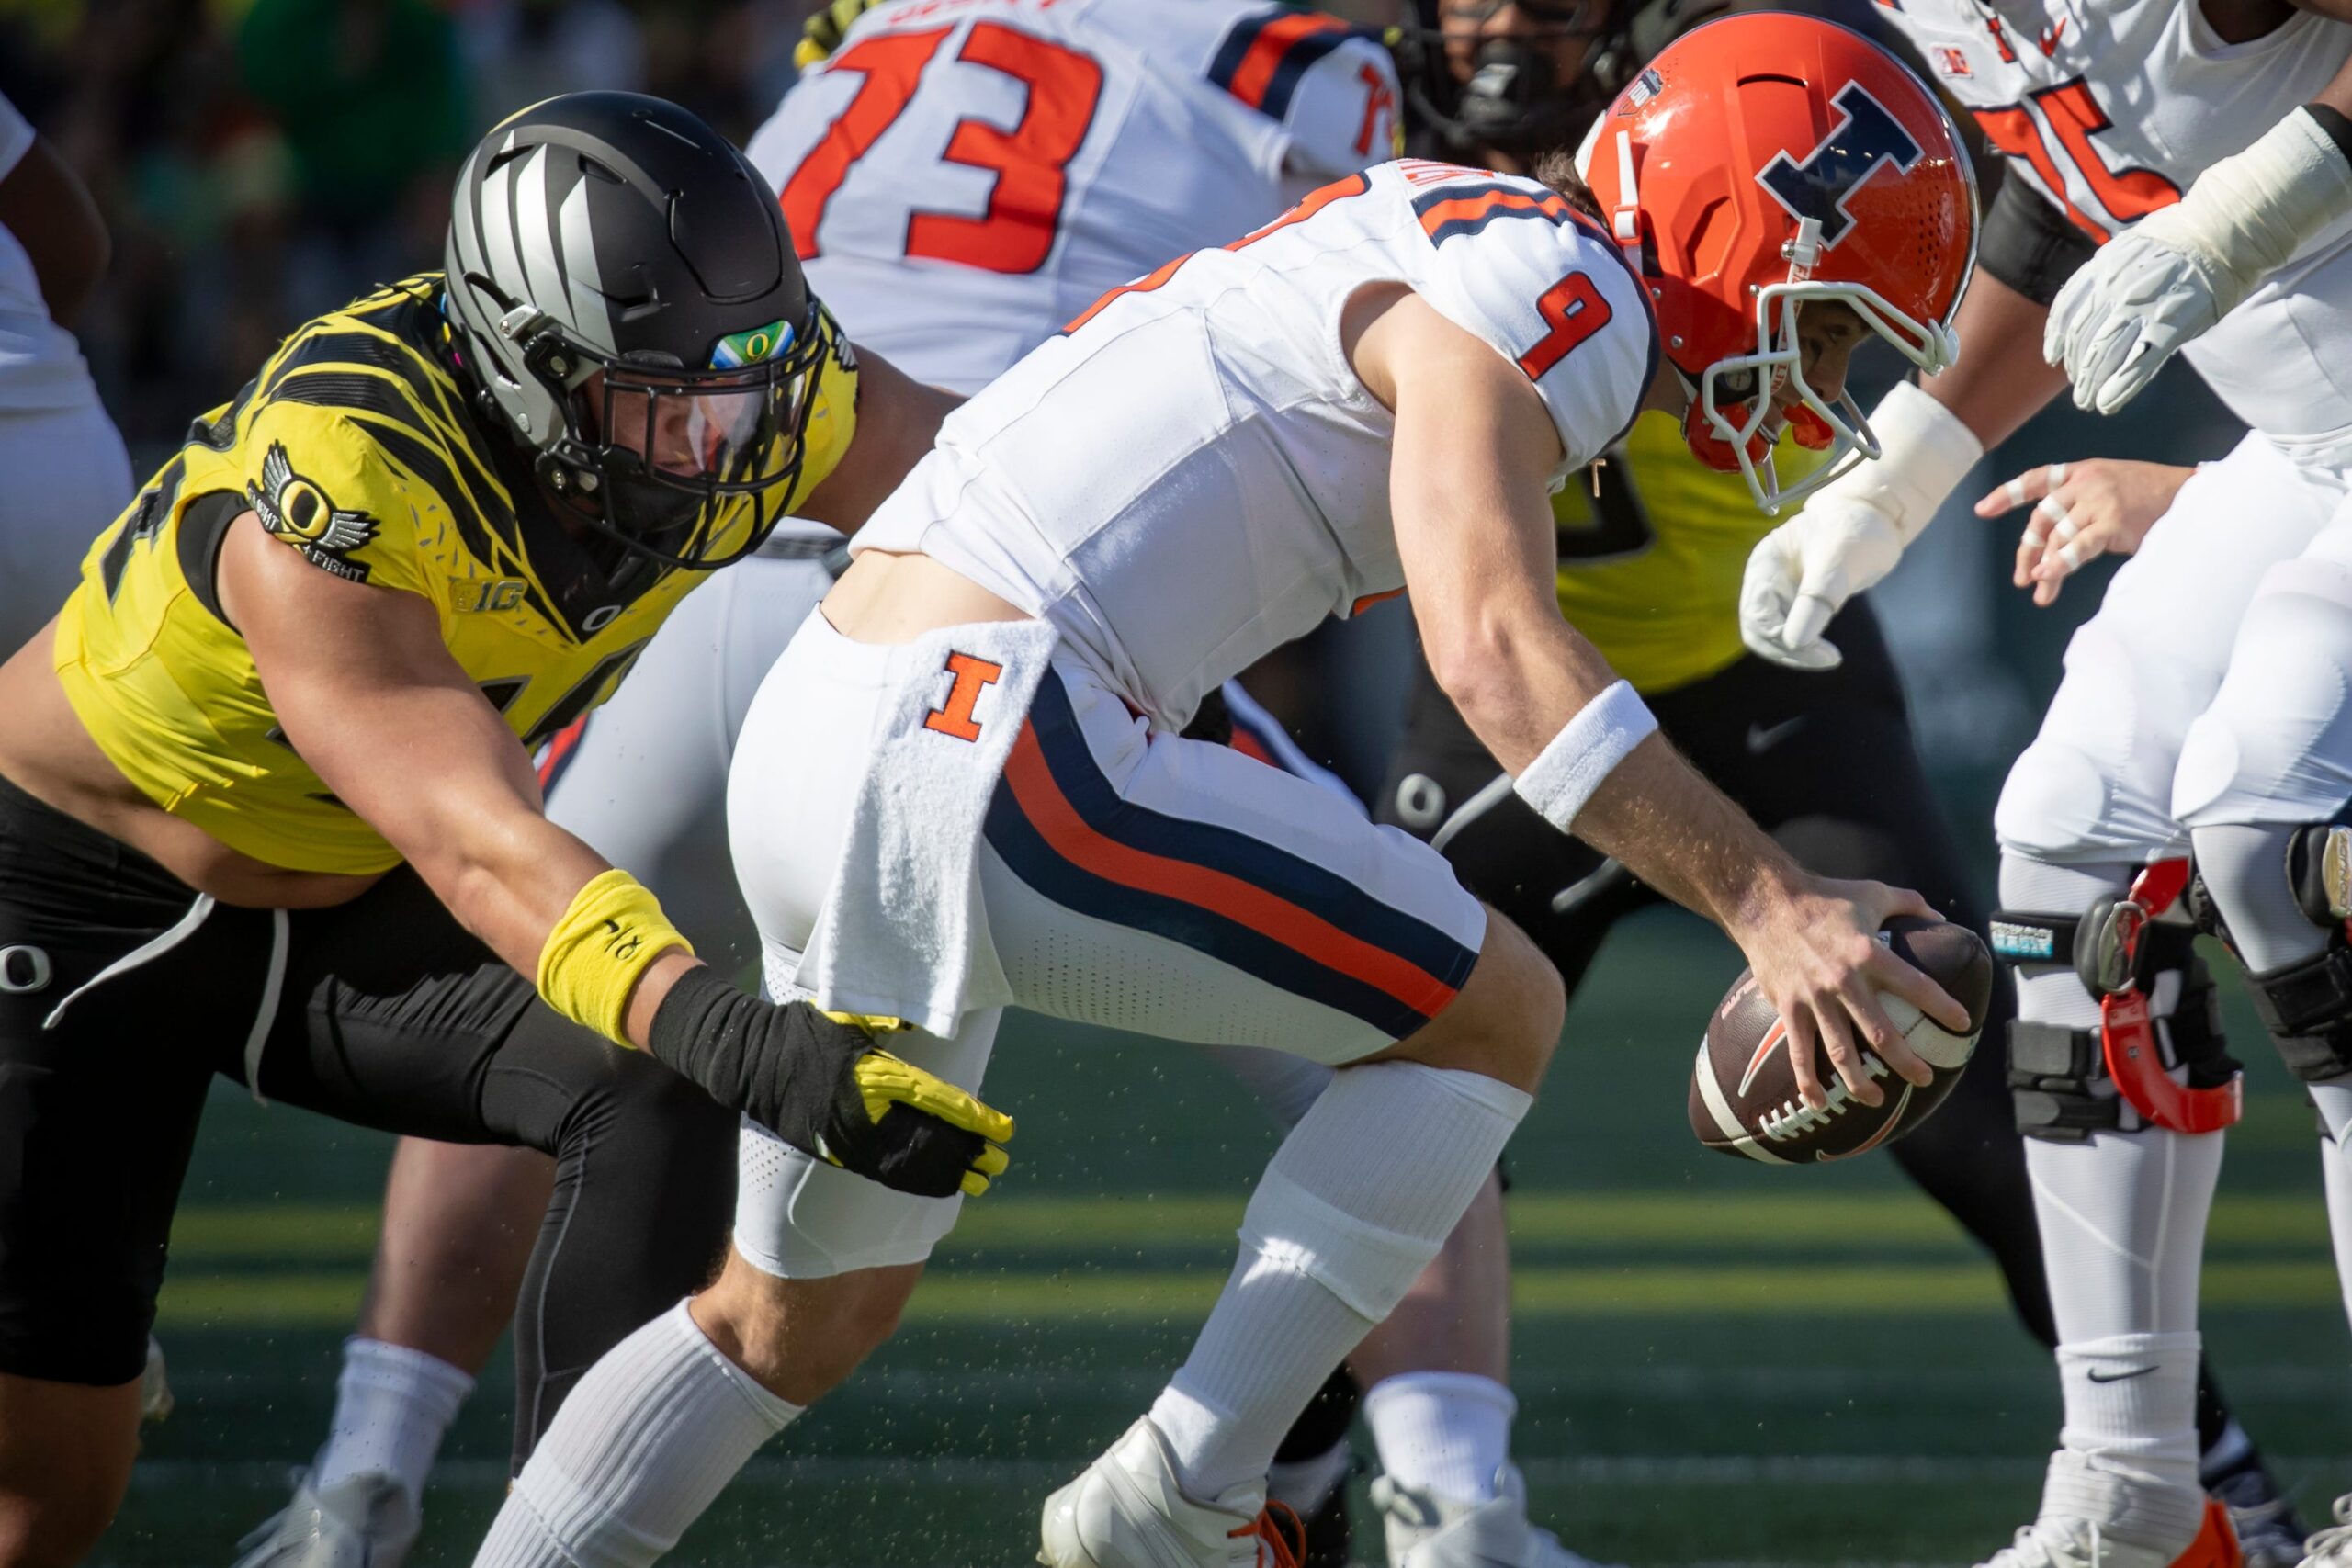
1651 555
1375 392
62 467
2202 707
265 805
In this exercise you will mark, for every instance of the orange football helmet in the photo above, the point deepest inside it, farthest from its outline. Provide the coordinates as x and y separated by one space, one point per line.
1763 161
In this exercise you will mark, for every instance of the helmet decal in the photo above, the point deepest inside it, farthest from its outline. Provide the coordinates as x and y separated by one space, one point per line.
737 349
1819 186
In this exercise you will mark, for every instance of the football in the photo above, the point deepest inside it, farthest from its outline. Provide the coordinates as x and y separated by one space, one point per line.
1743 1087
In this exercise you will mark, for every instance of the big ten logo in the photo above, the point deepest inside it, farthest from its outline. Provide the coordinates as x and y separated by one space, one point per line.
953 717
495 595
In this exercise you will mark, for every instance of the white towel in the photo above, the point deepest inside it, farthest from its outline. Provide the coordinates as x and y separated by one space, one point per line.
903 931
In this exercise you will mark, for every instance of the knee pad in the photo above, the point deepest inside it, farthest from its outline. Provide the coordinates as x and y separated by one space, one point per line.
2051 803
2058 1076
2272 744
2307 1005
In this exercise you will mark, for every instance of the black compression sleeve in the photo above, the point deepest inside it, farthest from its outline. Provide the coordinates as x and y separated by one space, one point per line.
2333 121
2028 242
779 1065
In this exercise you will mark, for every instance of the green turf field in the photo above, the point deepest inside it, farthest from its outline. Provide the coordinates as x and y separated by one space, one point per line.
1717 1363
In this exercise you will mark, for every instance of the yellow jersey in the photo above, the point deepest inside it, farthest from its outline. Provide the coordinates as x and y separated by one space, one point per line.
355 447
1650 566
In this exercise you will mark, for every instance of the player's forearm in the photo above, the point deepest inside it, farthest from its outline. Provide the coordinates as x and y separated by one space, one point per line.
1521 682
1516 672
2000 380
1656 816
516 879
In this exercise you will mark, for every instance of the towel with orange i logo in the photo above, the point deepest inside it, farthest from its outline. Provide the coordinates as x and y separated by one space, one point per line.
902 932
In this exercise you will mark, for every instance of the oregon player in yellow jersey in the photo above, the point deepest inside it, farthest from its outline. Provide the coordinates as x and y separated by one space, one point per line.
355 445
265 808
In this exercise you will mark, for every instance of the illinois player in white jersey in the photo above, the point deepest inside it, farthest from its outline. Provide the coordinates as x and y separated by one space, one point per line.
63 472
2178 180
963 785
969 176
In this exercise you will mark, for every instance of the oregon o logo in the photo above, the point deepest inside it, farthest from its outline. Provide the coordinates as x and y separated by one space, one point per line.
23 969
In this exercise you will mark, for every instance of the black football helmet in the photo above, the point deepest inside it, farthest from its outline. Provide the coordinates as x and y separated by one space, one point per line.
624 293
1512 101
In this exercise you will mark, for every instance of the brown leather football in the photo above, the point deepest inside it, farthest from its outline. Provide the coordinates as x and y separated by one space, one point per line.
1744 1088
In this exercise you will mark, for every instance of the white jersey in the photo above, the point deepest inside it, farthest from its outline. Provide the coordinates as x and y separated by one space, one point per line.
1192 475
41 365
963 176
2109 108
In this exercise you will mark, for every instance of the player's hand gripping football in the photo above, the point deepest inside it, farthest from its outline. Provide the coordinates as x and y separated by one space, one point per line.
2081 510
1813 947
817 1081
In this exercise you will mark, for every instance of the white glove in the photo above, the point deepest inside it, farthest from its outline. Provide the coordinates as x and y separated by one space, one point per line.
1802 573
2182 269
1853 530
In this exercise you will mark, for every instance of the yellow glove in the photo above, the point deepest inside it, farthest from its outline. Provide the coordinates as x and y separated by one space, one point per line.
823 31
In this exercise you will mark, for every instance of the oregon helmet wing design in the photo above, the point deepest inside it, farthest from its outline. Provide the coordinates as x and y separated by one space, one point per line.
1764 161
624 291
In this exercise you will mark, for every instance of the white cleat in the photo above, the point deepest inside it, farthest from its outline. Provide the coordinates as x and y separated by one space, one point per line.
155 1387
2332 1548
2116 1521
1127 1511
1429 1530
362 1521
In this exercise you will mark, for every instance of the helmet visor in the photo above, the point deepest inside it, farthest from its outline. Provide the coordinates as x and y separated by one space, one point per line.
722 429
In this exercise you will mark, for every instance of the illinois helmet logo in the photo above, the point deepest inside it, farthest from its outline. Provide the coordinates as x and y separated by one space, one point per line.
298 511
1819 185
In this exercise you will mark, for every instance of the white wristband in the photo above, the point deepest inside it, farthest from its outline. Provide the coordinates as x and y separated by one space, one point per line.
1925 450
1566 774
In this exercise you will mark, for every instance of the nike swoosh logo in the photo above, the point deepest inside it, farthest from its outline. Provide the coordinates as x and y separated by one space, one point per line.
2049 37
2120 1377
1763 737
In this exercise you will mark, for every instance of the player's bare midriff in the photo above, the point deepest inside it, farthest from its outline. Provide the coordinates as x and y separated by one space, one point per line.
887 597
45 752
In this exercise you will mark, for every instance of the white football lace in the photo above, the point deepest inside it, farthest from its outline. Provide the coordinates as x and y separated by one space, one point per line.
1794 1117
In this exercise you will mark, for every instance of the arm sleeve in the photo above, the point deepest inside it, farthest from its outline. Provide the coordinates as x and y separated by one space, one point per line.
1551 296
323 485
16 138
2028 244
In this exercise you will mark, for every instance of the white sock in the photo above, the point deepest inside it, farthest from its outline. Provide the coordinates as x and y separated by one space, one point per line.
1356 1203
1306 1485
2334 1102
642 1446
393 1406
2131 1404
1445 1432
